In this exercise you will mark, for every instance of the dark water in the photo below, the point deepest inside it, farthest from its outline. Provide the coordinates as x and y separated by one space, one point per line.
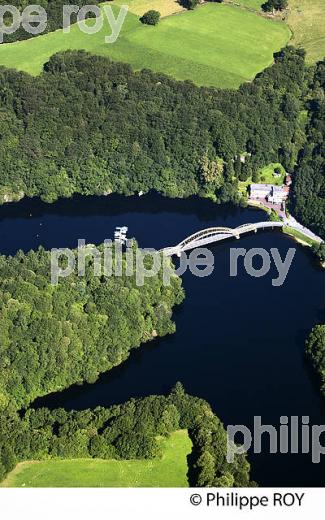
239 342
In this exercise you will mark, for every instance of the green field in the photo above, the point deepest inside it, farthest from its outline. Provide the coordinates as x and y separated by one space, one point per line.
307 21
252 4
168 471
216 44
139 7
267 174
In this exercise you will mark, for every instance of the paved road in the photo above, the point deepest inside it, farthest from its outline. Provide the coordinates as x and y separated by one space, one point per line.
292 222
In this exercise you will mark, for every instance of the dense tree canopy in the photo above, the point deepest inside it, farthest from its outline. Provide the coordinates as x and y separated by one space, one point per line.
87 125
315 349
309 185
54 11
91 126
54 336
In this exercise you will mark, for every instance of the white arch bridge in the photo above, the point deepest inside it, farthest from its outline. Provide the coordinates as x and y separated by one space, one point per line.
217 234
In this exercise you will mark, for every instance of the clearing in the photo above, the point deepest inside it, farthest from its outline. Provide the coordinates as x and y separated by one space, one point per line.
215 45
168 471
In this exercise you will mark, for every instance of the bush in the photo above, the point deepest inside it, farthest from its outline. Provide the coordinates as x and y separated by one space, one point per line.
319 250
189 4
278 5
150 17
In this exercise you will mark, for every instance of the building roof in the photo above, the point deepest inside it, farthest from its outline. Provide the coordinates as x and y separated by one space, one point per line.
261 187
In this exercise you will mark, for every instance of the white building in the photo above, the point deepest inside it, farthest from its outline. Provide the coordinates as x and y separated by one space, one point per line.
279 194
269 192
260 191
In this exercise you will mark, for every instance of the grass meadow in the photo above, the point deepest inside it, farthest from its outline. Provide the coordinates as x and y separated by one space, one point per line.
215 45
251 4
168 471
165 7
306 19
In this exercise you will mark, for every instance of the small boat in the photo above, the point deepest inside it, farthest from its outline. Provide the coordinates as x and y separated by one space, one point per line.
120 234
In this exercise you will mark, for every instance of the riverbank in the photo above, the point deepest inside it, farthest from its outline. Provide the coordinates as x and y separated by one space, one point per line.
292 228
202 351
303 236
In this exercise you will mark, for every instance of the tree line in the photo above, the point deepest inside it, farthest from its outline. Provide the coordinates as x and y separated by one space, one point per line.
126 431
91 126
309 180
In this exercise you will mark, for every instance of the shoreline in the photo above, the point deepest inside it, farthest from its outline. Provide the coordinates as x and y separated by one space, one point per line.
296 234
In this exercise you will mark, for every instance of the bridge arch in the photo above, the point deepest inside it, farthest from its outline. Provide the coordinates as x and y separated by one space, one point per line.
215 234
205 233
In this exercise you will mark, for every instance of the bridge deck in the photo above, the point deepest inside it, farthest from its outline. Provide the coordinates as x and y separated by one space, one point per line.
217 234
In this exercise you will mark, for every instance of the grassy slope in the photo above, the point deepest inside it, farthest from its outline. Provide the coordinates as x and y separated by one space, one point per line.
306 18
215 44
302 239
252 4
307 21
169 471
139 7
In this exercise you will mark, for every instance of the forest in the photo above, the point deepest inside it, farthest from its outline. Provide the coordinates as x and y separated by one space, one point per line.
137 131
91 126
54 11
53 336
309 186
124 431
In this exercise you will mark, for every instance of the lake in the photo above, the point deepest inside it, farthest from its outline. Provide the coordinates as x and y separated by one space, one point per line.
239 342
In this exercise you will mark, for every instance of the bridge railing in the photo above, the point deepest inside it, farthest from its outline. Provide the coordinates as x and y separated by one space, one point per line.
216 232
